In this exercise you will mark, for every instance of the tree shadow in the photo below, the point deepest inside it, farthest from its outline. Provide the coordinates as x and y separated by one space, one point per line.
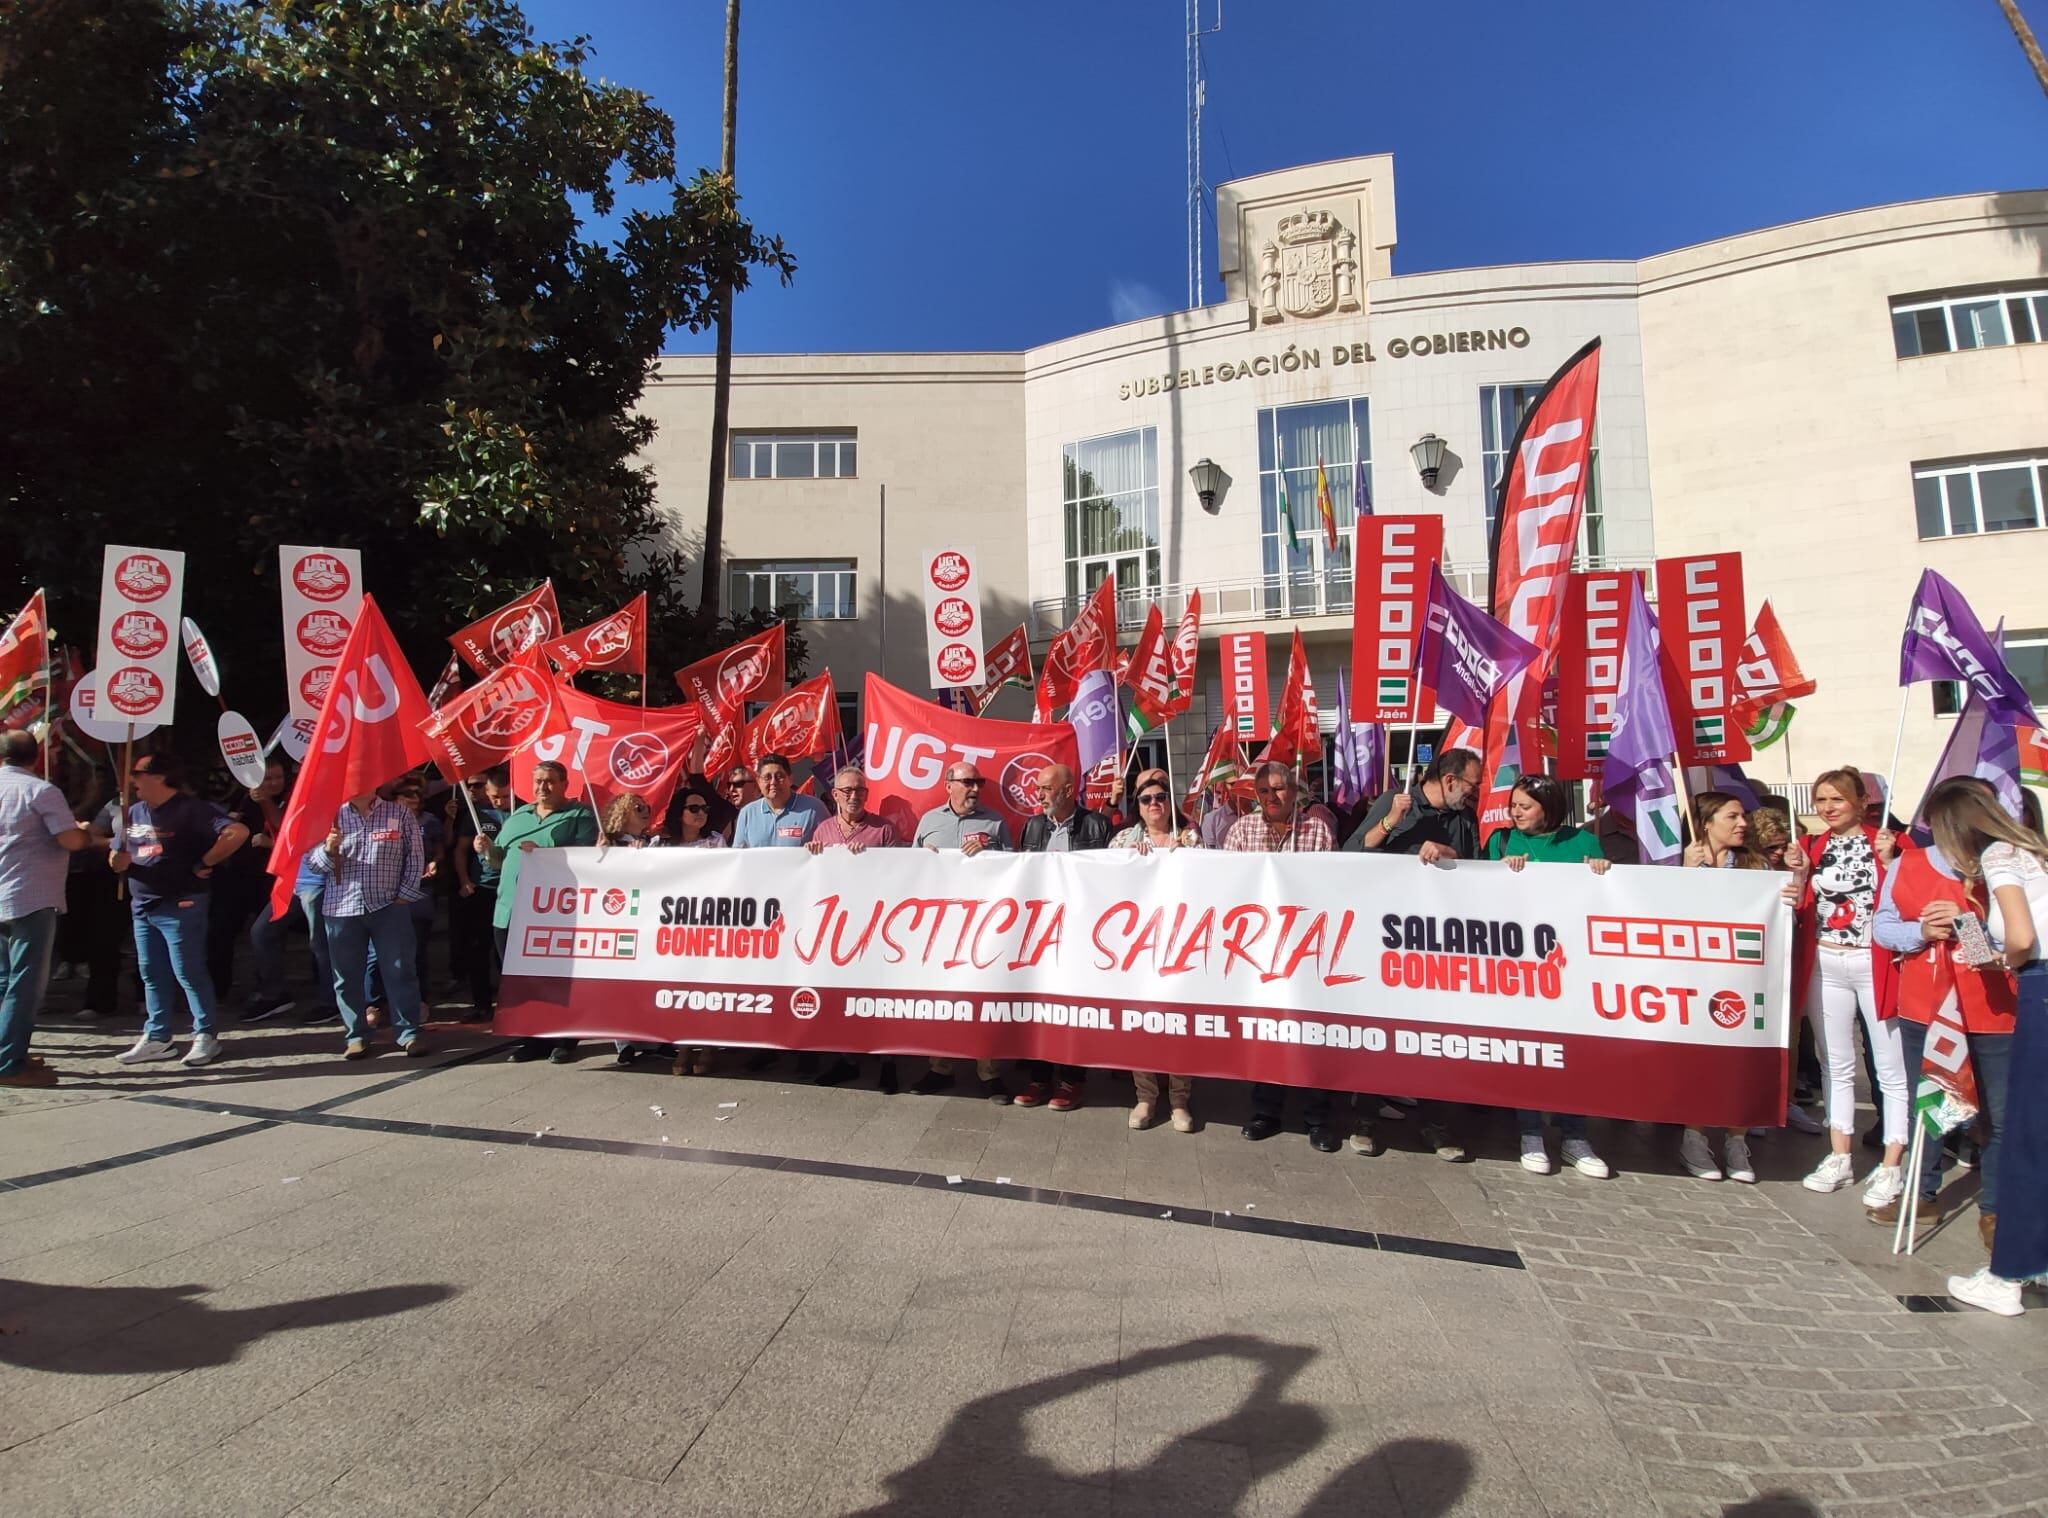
138 1330
1772 1505
988 1440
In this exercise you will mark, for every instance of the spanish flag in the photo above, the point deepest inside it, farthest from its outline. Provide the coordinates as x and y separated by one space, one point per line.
1323 505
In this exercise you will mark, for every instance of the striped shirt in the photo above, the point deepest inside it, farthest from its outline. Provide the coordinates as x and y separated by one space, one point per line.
382 857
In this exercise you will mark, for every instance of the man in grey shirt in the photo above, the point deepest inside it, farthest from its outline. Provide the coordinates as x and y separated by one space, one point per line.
962 823
38 835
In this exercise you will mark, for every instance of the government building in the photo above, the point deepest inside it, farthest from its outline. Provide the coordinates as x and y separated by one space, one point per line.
1846 401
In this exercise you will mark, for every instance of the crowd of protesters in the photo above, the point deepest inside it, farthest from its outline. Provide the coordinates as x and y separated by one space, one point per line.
1877 940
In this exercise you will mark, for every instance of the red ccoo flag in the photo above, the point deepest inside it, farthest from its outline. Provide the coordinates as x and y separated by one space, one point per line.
24 652
1536 531
1298 737
368 734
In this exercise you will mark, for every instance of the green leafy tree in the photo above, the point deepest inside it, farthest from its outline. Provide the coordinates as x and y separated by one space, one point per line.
319 271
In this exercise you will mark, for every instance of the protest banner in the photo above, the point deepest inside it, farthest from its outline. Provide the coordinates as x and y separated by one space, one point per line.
952 617
1247 695
1394 555
1589 669
911 741
140 593
321 591
1657 995
1704 626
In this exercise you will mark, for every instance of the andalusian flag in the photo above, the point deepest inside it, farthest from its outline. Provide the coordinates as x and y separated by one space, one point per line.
1324 507
1772 723
24 652
1286 508
2033 746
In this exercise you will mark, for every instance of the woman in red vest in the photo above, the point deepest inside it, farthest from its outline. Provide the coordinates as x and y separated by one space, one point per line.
1923 896
1846 974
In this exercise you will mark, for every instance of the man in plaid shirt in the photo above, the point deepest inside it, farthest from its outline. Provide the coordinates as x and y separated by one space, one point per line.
1280 826
373 860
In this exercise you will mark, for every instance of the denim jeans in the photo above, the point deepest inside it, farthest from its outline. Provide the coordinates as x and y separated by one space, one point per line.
170 955
24 973
267 941
348 941
1991 1059
1569 1124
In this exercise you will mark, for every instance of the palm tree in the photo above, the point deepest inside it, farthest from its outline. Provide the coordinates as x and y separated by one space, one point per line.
2028 45
721 385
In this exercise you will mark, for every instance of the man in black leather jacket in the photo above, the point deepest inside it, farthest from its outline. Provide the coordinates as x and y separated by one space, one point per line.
1062 826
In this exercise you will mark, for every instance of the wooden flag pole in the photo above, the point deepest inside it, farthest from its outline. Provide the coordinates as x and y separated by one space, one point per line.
121 809
49 685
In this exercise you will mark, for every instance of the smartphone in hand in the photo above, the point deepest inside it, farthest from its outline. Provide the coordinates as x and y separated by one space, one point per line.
1973 944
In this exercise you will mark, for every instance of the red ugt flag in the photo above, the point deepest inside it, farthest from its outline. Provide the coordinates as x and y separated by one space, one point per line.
487 724
800 724
497 637
617 643
1298 737
750 670
368 734
1090 643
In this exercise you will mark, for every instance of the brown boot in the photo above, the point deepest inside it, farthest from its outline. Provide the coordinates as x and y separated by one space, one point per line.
1929 1215
1987 1227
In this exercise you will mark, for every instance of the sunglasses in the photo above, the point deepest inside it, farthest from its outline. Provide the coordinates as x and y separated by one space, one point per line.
1151 798
695 806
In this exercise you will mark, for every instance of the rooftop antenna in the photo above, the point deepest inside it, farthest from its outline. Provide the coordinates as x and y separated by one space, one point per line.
1197 88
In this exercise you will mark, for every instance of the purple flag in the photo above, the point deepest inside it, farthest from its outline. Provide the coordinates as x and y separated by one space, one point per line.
1357 754
1468 656
1945 641
1979 746
1093 712
1361 497
1635 776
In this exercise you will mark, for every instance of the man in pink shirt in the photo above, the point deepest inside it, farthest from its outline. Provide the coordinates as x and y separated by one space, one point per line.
853 827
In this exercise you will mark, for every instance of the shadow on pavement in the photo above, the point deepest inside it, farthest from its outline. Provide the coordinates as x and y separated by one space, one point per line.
130 1330
987 1440
1772 1505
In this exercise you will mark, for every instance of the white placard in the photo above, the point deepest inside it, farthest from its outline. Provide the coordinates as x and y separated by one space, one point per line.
85 697
240 749
322 591
200 653
141 592
952 617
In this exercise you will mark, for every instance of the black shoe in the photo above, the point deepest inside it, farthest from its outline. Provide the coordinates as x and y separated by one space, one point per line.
933 1083
841 1072
887 1079
761 1059
1261 1128
1324 1140
562 1054
262 1009
527 1048
627 1058
996 1092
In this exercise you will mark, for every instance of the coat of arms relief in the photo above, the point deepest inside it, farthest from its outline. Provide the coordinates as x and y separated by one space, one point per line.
1309 268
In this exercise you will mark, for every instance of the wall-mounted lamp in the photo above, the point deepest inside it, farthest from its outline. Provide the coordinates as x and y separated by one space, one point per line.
1209 481
1428 453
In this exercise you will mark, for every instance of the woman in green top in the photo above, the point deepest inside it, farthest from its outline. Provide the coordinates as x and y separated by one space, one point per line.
550 821
1537 808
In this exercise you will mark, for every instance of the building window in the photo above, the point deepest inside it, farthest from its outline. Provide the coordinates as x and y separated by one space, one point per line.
804 590
1500 413
793 456
1970 319
1985 495
1110 502
2026 655
1312 579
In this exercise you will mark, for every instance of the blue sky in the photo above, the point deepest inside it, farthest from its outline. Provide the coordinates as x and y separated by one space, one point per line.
973 176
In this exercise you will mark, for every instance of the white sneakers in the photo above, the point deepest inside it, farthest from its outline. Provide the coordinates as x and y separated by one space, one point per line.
1580 1156
1535 1158
1740 1167
1990 1292
1697 1158
1887 1184
204 1051
1831 1174
1799 1119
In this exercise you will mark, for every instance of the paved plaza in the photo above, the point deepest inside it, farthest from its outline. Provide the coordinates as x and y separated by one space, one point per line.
286 1284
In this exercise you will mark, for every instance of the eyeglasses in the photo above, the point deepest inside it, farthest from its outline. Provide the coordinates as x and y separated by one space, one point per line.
957 780
850 790
1152 798
1274 790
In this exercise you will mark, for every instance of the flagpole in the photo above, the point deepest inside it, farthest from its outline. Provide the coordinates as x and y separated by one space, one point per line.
49 684
1909 1201
1891 786
121 803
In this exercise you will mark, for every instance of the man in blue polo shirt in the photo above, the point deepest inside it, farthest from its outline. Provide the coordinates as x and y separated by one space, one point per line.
781 819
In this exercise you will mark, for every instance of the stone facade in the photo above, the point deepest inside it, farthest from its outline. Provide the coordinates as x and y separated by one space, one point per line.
1750 398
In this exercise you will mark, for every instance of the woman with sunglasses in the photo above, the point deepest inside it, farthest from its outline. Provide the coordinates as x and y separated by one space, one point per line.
693 830
1157 830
